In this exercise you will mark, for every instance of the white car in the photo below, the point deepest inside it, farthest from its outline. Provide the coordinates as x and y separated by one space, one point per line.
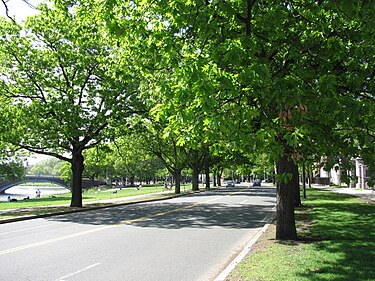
230 183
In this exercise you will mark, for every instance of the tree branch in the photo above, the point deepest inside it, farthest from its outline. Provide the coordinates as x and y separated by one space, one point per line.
39 151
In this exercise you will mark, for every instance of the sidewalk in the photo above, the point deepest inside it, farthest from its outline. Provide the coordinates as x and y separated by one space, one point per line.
367 194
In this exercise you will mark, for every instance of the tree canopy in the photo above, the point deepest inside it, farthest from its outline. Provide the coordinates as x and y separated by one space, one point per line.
280 76
64 84
286 78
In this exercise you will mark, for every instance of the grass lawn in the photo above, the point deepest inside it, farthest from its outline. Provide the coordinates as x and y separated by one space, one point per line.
337 242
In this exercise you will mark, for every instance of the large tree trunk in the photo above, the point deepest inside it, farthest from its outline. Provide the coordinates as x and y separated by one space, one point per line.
219 174
285 221
77 170
207 171
195 184
177 179
132 181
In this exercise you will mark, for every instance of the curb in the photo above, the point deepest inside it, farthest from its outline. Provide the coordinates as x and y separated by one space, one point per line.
23 218
224 274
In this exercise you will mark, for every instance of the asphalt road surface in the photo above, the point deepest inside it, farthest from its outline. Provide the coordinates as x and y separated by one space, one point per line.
187 238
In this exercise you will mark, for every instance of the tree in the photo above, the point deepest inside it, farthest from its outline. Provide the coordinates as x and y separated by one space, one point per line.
97 162
287 71
12 170
284 71
129 157
47 167
165 147
63 86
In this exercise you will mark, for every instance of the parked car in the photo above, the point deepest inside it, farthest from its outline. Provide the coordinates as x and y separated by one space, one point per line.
230 183
256 183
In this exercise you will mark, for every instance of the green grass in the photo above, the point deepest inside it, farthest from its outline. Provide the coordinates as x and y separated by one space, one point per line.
91 195
340 244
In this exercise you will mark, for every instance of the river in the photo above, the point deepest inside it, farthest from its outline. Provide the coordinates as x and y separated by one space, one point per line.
21 191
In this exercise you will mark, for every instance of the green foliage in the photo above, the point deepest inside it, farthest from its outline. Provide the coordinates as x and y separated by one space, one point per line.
12 170
62 80
264 76
131 158
51 167
97 162
65 84
295 63
284 178
66 174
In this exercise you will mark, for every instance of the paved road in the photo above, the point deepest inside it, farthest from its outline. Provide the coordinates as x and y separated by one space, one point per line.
187 238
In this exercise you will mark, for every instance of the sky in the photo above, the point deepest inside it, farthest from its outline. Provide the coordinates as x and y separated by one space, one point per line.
19 9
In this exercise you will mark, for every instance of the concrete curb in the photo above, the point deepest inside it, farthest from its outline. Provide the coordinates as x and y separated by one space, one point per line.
224 274
85 209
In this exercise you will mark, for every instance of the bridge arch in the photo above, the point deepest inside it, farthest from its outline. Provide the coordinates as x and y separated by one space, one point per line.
86 183
6 185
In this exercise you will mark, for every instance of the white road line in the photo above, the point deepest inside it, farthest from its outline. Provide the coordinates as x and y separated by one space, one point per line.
25 229
77 234
244 201
78 271
61 238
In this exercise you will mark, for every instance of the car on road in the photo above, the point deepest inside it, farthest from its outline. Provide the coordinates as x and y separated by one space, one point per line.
230 183
256 183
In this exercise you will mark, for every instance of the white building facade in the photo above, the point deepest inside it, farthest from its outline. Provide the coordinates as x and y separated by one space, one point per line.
359 175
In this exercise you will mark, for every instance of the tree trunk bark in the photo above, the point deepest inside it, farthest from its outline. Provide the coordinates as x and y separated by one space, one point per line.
195 184
304 179
132 180
219 174
207 171
177 179
77 170
214 177
285 220
295 179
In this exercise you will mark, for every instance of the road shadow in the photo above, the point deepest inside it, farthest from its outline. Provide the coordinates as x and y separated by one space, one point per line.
175 215
239 190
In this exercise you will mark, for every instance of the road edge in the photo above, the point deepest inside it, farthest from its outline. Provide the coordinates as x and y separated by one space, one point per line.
85 209
224 274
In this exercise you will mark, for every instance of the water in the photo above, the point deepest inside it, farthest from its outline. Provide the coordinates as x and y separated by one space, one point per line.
21 191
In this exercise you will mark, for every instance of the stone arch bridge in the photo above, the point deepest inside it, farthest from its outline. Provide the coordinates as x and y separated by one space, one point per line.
86 183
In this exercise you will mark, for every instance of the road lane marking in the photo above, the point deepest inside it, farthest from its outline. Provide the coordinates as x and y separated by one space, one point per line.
244 201
25 229
167 212
61 238
78 271
73 235
126 222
